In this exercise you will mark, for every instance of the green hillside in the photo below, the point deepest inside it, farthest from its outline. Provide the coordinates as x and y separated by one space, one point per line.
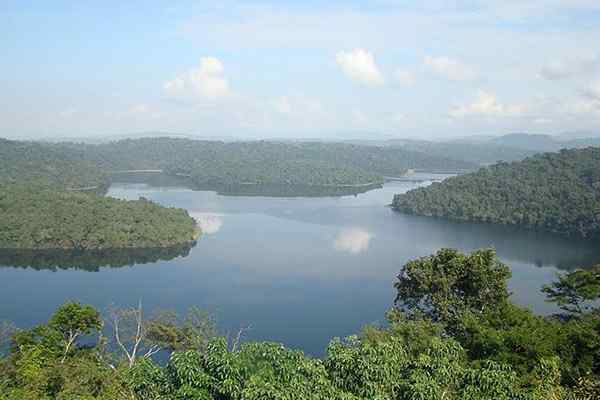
558 192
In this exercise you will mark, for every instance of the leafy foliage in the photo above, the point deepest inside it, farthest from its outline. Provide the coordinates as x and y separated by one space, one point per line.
558 192
468 342
448 283
576 291
477 313
39 218
49 165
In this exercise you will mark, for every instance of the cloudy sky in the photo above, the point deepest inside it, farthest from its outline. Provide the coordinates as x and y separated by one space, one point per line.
307 68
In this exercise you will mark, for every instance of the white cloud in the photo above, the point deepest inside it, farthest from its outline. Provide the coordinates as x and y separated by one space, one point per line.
487 105
359 66
405 78
353 240
207 81
570 68
449 68
555 70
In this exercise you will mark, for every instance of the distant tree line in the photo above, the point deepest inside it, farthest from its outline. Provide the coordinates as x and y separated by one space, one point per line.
77 165
453 334
557 192
265 162
47 164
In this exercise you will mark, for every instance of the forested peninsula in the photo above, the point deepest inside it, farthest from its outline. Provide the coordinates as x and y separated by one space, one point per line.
557 192
37 217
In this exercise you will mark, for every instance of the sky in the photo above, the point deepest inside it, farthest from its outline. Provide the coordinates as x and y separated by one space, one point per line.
329 69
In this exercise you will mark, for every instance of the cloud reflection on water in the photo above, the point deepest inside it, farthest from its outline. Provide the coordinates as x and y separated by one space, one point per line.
208 223
353 240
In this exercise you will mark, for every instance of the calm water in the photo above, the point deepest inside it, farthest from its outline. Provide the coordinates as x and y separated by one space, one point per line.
298 270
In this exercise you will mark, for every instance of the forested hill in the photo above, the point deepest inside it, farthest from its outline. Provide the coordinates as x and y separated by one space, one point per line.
558 192
264 162
48 164
74 165
35 217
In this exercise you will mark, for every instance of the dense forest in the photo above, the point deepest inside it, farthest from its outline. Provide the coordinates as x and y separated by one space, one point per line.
558 192
77 165
263 162
452 334
36 217
49 165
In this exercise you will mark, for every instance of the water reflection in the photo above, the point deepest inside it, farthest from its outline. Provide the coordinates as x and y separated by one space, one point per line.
209 223
353 240
89 260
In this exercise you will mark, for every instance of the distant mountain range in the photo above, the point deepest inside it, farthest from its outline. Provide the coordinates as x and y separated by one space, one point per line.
490 149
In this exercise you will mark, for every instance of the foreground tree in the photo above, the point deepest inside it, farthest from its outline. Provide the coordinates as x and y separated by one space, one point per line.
73 320
130 331
445 285
576 292
166 330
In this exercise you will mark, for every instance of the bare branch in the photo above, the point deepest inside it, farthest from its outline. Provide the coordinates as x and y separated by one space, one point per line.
238 337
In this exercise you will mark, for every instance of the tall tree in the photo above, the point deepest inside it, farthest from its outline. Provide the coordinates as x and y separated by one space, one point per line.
73 320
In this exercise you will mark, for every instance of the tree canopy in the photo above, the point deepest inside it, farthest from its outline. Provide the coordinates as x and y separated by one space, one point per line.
557 192
35 217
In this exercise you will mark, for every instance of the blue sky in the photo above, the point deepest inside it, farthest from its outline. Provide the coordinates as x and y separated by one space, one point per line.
248 69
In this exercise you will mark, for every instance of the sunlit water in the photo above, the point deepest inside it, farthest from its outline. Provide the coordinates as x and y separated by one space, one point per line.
297 270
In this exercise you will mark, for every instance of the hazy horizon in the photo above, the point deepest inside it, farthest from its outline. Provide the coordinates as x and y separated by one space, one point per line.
262 69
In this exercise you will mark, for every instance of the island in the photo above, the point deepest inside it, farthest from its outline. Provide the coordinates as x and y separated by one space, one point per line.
38 217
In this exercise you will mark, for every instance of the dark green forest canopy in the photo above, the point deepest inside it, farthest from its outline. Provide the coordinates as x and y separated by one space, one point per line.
35 217
49 165
265 162
557 192
76 165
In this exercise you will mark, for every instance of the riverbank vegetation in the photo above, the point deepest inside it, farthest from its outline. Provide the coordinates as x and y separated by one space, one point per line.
453 334
36 217
557 192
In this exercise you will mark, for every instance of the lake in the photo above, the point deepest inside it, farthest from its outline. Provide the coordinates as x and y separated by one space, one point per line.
298 270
